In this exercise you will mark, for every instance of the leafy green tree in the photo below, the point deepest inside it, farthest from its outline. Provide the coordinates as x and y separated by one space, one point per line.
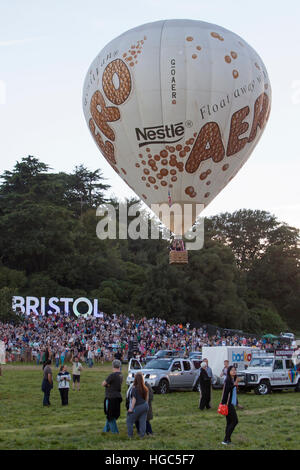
276 277
6 312
86 189
264 318
12 278
249 233
213 287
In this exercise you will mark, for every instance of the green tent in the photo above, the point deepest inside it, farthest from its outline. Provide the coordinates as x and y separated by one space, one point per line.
270 336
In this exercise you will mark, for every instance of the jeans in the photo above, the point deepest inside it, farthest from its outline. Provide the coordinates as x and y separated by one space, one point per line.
46 388
111 426
139 414
56 362
91 362
231 422
148 427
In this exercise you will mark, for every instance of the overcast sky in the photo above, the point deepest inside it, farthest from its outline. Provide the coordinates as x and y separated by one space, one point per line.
47 47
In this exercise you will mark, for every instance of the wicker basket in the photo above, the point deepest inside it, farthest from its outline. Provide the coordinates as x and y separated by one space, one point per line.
178 257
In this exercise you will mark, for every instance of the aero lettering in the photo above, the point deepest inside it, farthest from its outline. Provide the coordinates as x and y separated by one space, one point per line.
116 84
209 142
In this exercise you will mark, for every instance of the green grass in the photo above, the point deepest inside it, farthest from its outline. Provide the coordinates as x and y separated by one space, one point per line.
270 422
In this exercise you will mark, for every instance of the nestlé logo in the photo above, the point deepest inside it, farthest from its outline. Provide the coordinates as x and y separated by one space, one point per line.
168 134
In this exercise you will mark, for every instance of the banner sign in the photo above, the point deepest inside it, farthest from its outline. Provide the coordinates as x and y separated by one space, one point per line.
284 352
81 306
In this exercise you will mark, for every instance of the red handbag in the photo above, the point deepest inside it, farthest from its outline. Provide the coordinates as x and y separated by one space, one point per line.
223 409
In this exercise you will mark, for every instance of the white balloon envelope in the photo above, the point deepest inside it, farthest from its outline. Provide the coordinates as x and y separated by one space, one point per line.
176 107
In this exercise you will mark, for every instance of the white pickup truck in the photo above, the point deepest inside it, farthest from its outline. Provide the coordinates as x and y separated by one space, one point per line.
270 372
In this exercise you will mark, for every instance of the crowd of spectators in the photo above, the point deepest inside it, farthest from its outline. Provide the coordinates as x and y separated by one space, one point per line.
98 339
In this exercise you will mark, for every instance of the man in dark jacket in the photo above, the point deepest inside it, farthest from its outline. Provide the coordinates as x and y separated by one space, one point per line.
205 387
113 398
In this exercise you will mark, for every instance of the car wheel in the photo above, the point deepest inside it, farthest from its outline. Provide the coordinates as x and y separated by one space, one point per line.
163 387
197 386
297 389
263 388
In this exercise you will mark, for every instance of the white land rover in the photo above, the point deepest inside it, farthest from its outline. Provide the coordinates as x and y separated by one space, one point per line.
267 372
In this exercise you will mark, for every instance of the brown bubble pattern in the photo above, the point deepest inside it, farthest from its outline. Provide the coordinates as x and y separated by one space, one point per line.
132 55
228 59
163 167
204 174
198 47
190 191
216 36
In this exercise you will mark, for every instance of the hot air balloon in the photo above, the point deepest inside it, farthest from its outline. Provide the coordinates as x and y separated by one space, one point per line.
176 107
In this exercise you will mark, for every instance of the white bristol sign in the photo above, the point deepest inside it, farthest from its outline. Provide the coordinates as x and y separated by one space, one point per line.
54 305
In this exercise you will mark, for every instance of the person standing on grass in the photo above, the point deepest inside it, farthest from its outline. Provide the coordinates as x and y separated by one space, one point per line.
210 375
224 374
138 406
63 378
38 357
225 369
47 383
113 398
57 358
62 356
205 387
149 431
229 398
77 368
90 357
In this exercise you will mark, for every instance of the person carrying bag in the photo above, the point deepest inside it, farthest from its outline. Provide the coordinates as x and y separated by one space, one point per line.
228 404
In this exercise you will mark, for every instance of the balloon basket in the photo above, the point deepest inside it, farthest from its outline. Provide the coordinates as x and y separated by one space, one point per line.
178 257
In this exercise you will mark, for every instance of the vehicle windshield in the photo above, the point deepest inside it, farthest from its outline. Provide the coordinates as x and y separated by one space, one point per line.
261 362
163 353
163 364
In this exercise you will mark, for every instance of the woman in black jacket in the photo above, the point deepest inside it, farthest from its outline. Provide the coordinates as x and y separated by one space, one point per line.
205 387
229 398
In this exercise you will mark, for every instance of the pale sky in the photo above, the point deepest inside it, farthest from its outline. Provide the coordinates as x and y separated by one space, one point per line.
47 47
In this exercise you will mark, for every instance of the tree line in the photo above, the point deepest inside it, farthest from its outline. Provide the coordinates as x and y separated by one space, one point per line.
246 276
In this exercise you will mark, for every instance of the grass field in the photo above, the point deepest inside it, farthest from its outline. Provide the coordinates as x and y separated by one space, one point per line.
270 422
